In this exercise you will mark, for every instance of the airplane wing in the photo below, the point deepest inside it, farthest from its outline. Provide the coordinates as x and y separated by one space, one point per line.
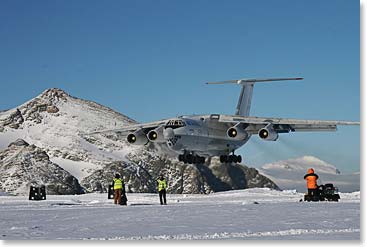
146 127
283 125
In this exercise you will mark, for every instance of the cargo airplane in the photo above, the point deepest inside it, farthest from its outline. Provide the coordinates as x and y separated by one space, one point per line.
195 138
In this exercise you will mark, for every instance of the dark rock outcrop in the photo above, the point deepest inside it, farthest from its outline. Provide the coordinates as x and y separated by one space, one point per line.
19 143
140 175
22 165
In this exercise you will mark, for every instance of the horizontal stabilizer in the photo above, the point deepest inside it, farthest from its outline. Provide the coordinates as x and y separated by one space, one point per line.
244 101
245 81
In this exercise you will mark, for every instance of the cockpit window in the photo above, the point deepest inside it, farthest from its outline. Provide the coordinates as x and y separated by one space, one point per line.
192 122
175 124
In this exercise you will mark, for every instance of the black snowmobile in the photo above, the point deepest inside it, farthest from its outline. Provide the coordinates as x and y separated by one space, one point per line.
325 192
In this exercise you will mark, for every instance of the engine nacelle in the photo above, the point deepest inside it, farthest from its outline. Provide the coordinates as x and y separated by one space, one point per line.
268 133
237 133
137 138
156 135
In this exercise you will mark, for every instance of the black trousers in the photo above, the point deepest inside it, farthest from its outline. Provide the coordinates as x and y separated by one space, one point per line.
313 192
162 193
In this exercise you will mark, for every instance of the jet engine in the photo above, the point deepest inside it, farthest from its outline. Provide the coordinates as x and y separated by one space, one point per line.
268 133
237 133
156 135
137 138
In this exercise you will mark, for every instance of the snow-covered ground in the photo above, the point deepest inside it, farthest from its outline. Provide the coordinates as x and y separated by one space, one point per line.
243 214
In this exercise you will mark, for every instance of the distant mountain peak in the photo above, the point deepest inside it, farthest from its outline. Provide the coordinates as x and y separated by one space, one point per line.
54 90
54 94
302 164
313 159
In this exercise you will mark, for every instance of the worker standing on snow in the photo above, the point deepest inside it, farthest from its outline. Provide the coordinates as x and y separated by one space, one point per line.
311 178
162 186
117 188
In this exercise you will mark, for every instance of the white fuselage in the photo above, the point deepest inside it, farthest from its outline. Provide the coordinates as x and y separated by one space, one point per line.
203 137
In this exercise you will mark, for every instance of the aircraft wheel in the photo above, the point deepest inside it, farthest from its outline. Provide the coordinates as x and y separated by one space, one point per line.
235 159
202 160
195 159
226 159
239 159
230 159
180 157
190 159
184 158
222 158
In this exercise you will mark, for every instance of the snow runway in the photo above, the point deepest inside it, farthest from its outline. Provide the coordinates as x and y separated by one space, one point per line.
242 235
244 214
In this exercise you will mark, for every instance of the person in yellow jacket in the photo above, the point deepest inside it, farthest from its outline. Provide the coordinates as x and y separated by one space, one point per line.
162 187
118 184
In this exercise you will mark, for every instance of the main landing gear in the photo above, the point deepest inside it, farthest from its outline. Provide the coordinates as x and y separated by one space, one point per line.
230 158
191 159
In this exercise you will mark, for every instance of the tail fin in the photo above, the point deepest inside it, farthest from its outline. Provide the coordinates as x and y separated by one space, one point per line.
244 101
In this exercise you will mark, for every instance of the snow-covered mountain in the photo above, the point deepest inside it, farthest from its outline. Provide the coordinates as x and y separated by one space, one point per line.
288 174
56 123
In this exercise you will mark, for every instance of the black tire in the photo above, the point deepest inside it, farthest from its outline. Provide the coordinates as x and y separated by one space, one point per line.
190 159
196 159
230 159
180 157
239 158
202 160
235 160
222 158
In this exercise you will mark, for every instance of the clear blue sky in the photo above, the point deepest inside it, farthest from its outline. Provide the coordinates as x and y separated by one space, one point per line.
150 59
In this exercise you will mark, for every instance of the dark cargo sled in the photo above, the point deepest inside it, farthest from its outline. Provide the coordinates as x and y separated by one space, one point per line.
325 192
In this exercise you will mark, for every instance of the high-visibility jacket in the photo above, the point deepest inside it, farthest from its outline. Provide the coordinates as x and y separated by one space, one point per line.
162 184
117 183
311 179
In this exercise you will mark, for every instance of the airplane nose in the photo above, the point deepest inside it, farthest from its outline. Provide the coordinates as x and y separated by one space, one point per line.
168 133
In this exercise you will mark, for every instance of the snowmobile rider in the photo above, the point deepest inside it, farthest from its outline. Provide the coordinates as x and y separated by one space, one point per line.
117 188
311 178
162 186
